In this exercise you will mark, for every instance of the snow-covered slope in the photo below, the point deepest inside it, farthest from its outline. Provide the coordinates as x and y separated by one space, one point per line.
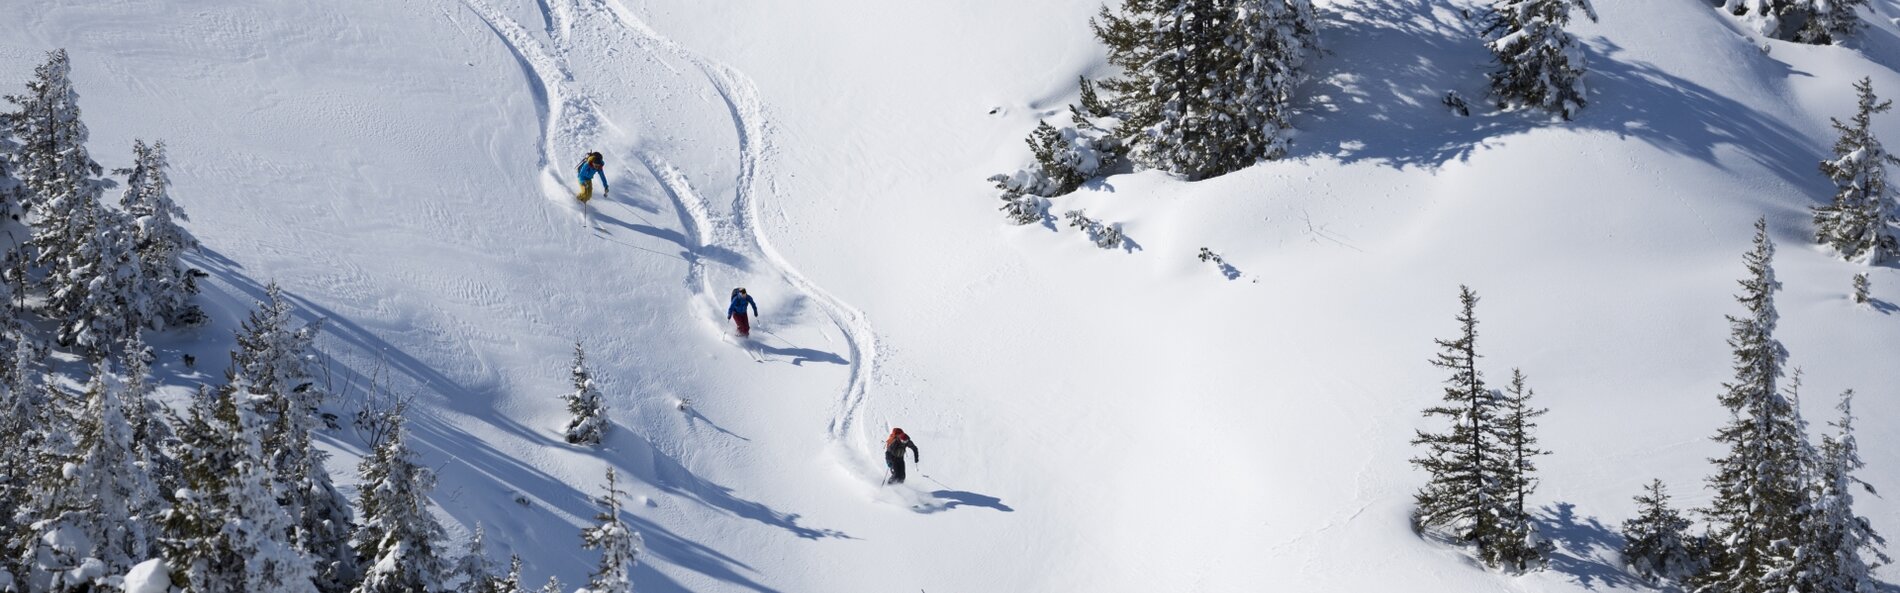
1096 420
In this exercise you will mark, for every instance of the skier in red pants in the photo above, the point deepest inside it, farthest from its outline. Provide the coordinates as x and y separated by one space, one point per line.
736 311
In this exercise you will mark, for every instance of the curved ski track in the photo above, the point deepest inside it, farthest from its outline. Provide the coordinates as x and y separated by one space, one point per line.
569 116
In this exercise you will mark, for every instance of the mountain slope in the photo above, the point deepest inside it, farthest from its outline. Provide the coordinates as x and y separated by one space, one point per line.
1094 420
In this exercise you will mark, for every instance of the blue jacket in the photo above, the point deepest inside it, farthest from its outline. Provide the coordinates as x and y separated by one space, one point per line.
739 303
587 171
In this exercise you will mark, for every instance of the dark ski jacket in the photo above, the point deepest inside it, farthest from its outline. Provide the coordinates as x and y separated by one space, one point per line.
739 303
895 449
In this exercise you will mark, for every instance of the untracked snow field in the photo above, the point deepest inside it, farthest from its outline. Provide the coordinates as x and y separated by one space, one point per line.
1096 420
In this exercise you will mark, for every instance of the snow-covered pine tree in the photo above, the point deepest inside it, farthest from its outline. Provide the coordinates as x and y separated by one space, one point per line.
225 532
553 585
54 516
619 545
398 542
273 361
1206 84
22 412
94 282
167 282
1859 223
511 582
113 478
1461 492
1656 543
12 192
144 415
475 572
1270 40
584 404
1518 546
1540 65
1861 288
51 159
1831 21
1759 484
1843 547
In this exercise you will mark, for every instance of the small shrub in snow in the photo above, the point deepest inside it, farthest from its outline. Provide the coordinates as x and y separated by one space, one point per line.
1066 157
584 404
1106 236
1208 255
1656 544
1457 104
1861 287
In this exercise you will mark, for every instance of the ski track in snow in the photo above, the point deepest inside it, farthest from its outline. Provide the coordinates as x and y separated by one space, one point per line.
570 116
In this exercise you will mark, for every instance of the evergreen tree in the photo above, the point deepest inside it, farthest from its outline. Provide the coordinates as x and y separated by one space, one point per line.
1859 222
1269 41
510 583
225 532
1206 84
1656 543
1832 21
398 542
112 475
475 573
94 282
274 360
1462 492
12 193
553 586
618 544
1518 546
1861 288
165 279
21 410
1759 484
1540 65
1840 542
55 513
51 159
585 404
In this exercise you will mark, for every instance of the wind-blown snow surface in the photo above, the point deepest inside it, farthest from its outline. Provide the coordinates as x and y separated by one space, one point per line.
1095 420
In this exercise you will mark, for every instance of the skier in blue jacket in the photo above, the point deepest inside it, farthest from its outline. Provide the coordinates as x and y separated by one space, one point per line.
593 165
736 311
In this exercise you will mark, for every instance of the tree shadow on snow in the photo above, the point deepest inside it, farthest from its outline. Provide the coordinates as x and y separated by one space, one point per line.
958 498
690 252
1588 552
1377 96
552 509
1883 307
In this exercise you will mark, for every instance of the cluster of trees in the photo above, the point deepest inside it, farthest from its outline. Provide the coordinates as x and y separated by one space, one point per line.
102 488
1782 518
1817 22
104 272
1207 86
1481 466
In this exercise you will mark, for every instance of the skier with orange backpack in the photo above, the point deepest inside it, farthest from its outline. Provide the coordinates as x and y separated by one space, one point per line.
894 446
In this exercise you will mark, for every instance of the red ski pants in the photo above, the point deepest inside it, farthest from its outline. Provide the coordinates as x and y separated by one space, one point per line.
745 324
